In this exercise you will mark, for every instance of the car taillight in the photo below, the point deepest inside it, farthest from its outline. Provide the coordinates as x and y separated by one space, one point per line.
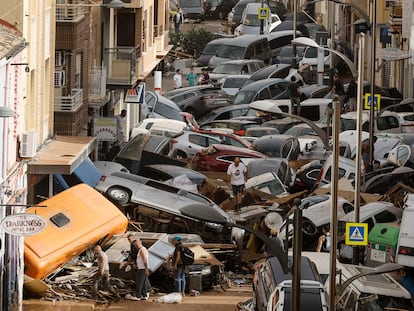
407 251
103 177
240 133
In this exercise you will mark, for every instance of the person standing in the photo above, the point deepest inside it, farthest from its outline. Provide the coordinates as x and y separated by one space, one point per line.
294 95
121 120
178 266
178 20
103 273
205 77
351 92
237 176
142 271
366 148
338 89
192 77
178 79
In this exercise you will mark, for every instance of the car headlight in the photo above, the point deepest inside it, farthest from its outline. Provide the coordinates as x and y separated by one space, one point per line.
206 270
221 81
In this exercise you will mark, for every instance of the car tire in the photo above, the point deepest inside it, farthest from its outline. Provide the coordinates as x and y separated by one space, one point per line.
181 155
309 228
118 195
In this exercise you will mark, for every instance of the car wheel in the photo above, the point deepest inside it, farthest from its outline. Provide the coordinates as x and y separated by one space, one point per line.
309 228
181 155
119 195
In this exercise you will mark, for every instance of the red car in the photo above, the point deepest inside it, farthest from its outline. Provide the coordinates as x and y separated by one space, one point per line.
216 158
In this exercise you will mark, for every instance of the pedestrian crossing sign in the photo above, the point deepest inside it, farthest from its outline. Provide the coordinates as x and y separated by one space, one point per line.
356 233
367 101
263 13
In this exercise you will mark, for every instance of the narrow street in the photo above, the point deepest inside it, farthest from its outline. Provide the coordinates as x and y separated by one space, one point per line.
213 300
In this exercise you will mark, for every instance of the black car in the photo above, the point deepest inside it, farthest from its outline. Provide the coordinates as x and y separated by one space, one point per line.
164 172
262 89
199 100
219 8
306 176
273 71
269 275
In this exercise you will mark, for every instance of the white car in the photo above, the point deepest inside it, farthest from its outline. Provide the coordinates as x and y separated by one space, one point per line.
310 56
158 126
406 121
250 22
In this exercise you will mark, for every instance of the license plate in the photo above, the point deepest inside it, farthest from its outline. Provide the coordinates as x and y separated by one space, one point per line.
377 255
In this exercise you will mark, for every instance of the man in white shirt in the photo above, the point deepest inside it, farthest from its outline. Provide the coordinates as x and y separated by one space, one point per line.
121 120
178 79
142 271
237 177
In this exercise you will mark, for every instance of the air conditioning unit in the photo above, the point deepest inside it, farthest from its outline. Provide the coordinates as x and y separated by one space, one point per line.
59 80
59 59
29 143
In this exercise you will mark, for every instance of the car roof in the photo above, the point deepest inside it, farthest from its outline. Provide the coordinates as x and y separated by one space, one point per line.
308 271
235 149
174 170
241 61
183 90
244 40
259 84
368 210
267 71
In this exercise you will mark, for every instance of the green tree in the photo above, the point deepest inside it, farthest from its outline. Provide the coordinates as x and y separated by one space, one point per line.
192 41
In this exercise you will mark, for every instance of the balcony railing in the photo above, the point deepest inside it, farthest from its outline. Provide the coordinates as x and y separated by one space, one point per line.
122 64
69 10
69 103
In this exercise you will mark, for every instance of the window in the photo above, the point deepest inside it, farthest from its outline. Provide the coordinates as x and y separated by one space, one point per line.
259 48
385 216
287 147
249 52
264 94
275 90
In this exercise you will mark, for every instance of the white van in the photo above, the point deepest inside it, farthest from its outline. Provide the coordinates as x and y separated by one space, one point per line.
387 122
250 22
405 247
158 126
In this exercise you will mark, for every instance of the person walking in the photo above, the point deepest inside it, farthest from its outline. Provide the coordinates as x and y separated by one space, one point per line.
191 77
205 77
142 271
351 93
178 79
237 176
294 95
103 273
121 120
178 20
178 266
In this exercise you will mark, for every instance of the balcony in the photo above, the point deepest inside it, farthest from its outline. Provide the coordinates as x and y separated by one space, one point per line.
70 10
69 103
97 95
122 69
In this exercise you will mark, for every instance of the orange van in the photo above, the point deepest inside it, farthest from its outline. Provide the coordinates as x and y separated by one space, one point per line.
76 219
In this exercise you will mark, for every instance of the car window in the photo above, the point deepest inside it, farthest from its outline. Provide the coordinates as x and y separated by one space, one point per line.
149 125
150 100
341 172
210 49
264 94
275 89
287 147
385 123
230 51
233 82
198 140
259 48
243 97
250 52
167 111
280 73
348 208
238 113
212 140
309 201
385 216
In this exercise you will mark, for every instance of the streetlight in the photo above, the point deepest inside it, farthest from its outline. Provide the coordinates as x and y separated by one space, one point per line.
335 153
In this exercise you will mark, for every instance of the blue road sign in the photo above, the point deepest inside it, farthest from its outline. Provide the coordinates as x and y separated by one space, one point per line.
356 233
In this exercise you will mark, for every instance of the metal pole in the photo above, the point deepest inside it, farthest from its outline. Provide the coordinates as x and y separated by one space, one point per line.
297 261
332 35
372 107
295 13
261 22
334 201
357 200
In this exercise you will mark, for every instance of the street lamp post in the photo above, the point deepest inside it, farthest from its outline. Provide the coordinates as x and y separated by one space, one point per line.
335 173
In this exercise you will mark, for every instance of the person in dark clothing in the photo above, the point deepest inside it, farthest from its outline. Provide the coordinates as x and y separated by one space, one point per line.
178 266
294 95
338 88
178 20
132 258
205 77
352 95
